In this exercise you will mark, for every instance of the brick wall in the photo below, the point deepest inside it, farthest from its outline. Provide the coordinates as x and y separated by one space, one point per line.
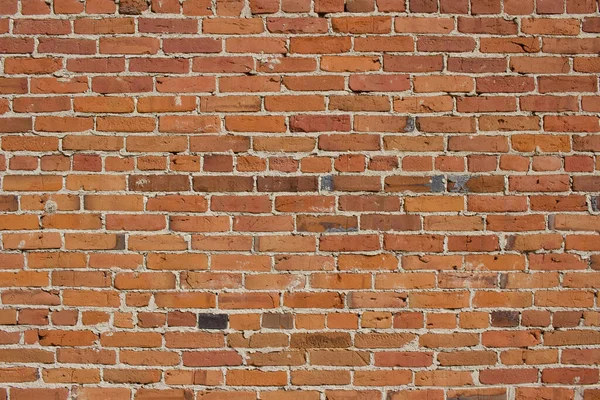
296 199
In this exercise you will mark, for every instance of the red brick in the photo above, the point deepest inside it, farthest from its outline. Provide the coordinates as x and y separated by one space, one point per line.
129 45
273 175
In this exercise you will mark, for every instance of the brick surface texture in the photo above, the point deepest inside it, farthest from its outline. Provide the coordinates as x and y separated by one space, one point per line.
299 199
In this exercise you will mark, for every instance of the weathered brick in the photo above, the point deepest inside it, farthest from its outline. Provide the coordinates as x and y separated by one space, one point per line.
252 178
